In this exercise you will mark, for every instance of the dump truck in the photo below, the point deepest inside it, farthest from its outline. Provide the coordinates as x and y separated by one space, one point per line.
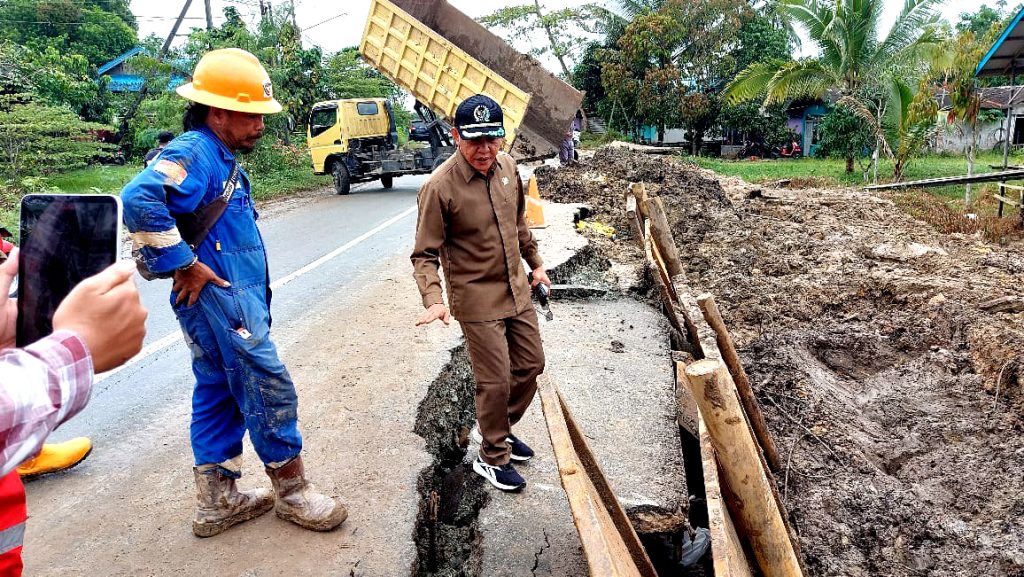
440 56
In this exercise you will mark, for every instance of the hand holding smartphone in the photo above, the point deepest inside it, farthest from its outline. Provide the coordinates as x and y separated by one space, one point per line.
65 239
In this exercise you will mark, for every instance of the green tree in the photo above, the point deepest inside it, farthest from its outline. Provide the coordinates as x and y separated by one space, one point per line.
964 53
37 137
564 31
855 61
99 30
642 77
980 21
844 134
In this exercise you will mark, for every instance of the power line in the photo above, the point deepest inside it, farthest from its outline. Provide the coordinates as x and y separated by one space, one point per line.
326 21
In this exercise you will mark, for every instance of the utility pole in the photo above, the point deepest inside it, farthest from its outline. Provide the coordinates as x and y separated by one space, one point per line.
209 16
134 108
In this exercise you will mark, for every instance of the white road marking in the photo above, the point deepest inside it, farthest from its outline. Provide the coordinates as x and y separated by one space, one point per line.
176 336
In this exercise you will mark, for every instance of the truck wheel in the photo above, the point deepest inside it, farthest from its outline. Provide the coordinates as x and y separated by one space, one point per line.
387 182
342 185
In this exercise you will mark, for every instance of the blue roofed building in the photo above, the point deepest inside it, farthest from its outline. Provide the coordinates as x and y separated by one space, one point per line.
124 79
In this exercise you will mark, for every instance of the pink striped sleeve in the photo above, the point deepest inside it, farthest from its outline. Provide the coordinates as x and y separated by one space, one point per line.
41 386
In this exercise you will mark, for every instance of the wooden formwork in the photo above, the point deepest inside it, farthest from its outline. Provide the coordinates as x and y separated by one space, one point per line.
717 405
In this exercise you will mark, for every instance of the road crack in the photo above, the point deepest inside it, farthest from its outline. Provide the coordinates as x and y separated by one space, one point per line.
540 552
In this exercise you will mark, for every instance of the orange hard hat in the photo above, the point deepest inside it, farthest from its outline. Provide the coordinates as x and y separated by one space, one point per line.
232 79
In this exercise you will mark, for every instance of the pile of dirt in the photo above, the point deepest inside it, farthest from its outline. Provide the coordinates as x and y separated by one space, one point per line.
895 399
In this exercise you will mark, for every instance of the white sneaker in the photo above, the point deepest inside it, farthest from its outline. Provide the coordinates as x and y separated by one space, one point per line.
520 451
504 477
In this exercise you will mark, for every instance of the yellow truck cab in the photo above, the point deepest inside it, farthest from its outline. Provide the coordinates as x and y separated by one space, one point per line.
356 140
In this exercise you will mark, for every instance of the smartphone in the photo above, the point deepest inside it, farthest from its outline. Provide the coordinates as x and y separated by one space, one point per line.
65 239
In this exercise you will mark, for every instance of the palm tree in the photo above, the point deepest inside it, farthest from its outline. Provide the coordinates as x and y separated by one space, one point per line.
854 58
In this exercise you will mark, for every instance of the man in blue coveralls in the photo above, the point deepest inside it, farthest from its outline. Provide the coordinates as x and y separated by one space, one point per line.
221 297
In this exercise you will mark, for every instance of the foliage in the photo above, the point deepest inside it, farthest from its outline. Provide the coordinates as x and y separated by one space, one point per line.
586 77
870 73
753 122
98 30
641 75
760 40
37 138
66 79
979 22
843 134
566 29
277 168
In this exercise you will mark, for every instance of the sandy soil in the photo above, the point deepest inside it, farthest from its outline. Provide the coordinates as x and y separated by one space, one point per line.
894 397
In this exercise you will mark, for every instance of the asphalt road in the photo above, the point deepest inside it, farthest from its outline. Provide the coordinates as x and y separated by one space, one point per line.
335 261
340 236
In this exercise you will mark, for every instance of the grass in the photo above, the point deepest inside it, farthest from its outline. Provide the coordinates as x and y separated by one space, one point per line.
833 171
941 207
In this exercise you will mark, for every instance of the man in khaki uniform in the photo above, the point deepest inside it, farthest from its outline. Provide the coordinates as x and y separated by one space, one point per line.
472 223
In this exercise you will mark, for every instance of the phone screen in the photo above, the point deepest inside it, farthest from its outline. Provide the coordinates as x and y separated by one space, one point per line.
64 240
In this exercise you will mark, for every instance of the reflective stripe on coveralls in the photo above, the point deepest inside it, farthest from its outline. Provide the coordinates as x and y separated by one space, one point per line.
12 524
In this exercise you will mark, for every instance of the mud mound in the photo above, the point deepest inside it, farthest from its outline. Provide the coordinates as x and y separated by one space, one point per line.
895 400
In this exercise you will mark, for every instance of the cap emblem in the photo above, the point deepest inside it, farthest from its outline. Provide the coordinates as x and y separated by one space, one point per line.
481 114
268 89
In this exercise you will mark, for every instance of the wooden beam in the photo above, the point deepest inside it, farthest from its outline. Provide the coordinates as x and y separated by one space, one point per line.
727 553
739 376
686 407
636 223
604 531
604 489
661 232
756 508
1005 200
639 192
952 180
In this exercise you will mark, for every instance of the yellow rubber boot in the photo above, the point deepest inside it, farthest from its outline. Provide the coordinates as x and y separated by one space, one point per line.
56 457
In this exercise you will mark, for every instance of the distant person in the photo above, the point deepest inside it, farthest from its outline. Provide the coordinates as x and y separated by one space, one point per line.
472 223
99 326
567 150
162 140
221 297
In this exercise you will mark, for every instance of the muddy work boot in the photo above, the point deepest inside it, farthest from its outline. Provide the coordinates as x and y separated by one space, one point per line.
220 505
299 502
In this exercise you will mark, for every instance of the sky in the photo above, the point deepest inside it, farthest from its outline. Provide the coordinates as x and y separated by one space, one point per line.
335 25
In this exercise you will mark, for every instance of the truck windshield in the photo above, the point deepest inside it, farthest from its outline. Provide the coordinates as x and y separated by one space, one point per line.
321 119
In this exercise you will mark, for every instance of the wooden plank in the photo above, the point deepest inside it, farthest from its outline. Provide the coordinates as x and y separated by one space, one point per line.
639 192
727 553
686 407
756 509
1005 200
604 489
1016 174
604 545
633 216
662 235
739 376
1011 186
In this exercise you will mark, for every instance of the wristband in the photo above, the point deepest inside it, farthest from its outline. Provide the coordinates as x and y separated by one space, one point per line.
188 267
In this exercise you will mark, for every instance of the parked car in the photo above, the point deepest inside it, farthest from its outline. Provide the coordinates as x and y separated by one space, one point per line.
418 131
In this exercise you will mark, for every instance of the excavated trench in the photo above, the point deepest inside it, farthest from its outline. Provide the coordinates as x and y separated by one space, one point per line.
451 496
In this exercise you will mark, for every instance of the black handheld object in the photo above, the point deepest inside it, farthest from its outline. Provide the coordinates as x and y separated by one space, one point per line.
542 292
64 240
